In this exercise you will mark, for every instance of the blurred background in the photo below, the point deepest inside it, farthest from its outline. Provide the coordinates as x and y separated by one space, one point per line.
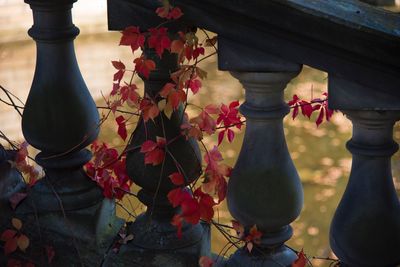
319 154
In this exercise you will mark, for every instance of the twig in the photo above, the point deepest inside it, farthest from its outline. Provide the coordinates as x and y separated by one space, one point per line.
10 98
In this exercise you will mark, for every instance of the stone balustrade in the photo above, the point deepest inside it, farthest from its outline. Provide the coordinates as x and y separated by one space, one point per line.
356 44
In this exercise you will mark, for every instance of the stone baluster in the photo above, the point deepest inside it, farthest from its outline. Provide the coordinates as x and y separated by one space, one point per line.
60 119
264 188
155 239
365 230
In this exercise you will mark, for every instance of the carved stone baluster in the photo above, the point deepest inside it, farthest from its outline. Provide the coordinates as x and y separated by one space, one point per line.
365 230
60 119
155 239
264 189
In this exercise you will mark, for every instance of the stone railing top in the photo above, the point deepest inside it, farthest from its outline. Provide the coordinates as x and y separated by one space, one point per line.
347 38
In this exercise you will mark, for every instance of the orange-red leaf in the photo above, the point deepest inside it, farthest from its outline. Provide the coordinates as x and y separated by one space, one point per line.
205 261
238 228
16 223
143 66
23 242
301 260
177 46
167 89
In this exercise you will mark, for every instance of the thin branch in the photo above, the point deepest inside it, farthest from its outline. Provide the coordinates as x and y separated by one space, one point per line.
8 93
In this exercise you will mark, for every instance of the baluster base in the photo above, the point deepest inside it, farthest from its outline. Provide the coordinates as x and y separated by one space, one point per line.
278 256
77 236
155 244
68 212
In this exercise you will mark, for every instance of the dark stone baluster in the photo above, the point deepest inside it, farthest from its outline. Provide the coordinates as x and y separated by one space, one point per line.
264 189
155 239
365 230
61 119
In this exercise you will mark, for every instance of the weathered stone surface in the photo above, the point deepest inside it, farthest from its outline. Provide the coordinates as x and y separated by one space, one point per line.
365 230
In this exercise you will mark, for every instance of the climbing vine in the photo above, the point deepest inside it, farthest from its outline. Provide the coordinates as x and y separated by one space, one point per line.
126 105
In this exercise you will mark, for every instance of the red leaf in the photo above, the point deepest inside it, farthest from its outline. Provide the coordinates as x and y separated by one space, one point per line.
162 11
320 117
115 89
295 112
221 135
119 75
205 122
301 260
132 37
168 12
121 127
147 146
176 97
154 157
212 109
234 105
205 261
177 178
229 115
8 234
306 108
190 211
167 89
221 189
118 65
177 46
149 110
231 135
177 196
10 246
206 203
159 40
198 51
194 85
143 66
294 100
175 13
254 237
129 94
177 222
